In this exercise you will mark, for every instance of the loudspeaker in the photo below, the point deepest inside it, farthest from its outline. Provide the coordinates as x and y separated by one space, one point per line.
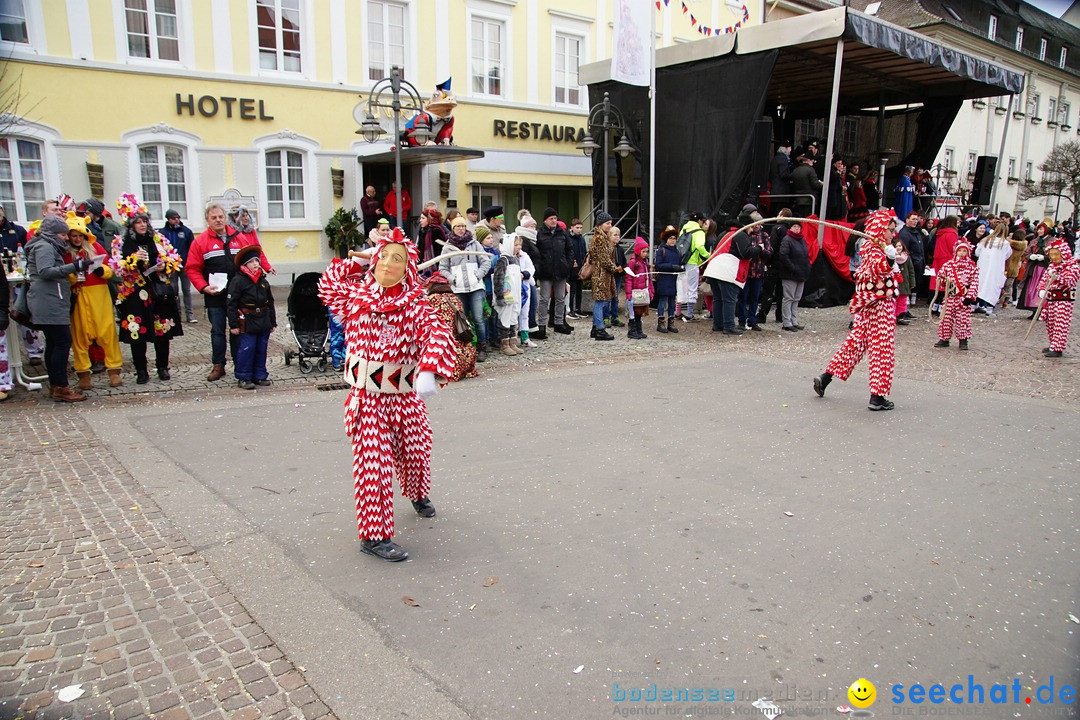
761 153
985 175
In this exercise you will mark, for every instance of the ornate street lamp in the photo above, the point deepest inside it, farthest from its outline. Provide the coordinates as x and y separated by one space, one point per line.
371 130
608 118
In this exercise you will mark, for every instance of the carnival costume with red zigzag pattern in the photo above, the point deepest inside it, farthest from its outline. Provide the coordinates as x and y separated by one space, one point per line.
389 430
872 310
963 277
1060 293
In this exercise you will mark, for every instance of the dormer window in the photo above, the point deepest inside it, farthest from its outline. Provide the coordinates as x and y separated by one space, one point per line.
992 33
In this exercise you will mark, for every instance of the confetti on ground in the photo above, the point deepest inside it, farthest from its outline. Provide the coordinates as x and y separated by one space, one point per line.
578 669
410 602
71 692
789 514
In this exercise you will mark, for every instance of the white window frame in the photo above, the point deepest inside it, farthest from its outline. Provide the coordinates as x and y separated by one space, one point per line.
1027 170
1064 57
947 158
1042 49
1051 109
1012 168
306 41
17 208
992 30
1064 110
35 43
288 141
163 134
491 11
47 136
151 13
972 161
1033 104
406 48
558 32
1019 38
163 184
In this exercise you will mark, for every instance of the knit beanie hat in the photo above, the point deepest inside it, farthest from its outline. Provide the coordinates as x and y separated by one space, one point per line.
548 212
602 217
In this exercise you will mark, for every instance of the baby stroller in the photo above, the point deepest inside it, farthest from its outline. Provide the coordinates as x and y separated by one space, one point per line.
309 324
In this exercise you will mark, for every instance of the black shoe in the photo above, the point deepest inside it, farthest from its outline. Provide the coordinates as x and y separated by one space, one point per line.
877 402
671 325
902 322
941 343
564 329
481 354
424 508
763 318
602 334
1053 354
386 549
245 385
163 374
540 334
798 327
733 332
141 378
821 382
790 328
906 316
756 328
963 345
265 382
661 327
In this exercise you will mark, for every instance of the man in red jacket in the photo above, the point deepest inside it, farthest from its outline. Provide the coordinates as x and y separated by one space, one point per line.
212 253
390 205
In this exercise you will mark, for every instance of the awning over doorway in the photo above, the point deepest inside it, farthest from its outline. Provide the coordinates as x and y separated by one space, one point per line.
424 155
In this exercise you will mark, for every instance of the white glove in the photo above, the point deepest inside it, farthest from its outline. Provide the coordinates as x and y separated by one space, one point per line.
426 386
890 252
1036 256
1042 293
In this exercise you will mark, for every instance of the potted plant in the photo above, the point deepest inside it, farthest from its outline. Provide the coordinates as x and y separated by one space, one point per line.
343 231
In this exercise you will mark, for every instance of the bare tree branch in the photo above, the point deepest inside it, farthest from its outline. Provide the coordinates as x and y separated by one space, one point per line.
1061 176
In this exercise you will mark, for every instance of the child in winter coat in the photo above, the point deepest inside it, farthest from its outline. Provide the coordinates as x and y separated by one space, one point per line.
907 285
668 264
250 308
638 278
528 289
506 291
961 278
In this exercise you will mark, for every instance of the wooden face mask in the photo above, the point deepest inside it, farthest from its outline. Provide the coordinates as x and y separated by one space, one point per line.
391 264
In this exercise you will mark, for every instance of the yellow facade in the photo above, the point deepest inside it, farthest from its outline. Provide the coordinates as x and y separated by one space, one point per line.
88 98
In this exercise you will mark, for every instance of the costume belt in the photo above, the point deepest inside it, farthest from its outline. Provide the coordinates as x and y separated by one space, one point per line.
1066 294
376 376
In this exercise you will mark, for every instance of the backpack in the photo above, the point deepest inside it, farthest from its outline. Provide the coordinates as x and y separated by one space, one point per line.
684 245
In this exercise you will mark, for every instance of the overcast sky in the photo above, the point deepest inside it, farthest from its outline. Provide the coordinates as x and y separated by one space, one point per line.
1055 7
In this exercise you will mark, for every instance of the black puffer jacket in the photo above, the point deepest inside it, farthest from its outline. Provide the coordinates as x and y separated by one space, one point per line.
794 259
254 300
556 253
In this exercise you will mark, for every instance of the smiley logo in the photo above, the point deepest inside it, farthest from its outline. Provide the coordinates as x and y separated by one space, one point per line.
862 693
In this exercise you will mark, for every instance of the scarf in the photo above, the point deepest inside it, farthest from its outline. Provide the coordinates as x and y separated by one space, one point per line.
253 274
460 242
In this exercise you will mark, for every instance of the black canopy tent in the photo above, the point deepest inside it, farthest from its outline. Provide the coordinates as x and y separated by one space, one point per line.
712 92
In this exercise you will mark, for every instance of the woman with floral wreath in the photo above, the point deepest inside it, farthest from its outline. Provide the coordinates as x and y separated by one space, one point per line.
146 303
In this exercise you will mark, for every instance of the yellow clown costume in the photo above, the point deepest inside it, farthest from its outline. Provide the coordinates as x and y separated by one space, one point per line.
92 317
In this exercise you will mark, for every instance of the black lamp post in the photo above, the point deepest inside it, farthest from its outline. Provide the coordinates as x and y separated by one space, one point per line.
607 117
371 130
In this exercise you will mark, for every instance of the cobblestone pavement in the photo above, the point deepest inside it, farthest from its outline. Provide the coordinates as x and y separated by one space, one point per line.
101 591
1000 359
